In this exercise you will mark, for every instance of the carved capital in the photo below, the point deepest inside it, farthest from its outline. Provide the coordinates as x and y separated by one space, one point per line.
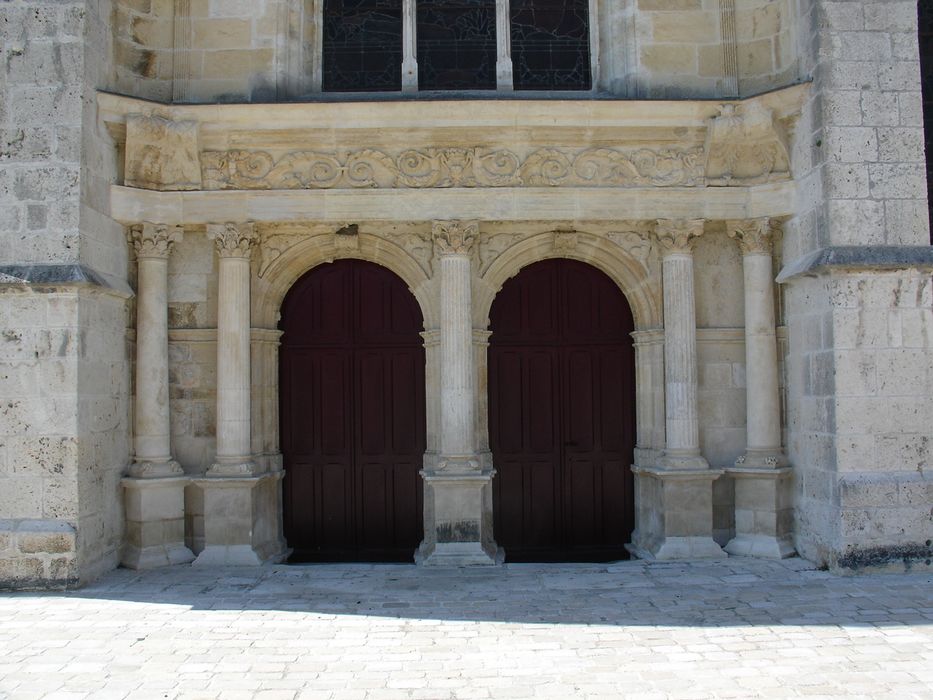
234 240
677 235
752 235
154 240
455 237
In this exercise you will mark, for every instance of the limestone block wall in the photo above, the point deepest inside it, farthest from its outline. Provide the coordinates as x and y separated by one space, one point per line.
143 44
766 44
859 162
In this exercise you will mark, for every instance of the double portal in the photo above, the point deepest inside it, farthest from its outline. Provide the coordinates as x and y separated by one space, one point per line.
561 390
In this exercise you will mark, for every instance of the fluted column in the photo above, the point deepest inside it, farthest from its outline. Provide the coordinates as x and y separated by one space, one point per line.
680 344
154 487
454 243
762 500
234 244
674 499
457 493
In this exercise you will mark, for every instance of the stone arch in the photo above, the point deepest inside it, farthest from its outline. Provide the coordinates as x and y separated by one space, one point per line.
628 272
279 276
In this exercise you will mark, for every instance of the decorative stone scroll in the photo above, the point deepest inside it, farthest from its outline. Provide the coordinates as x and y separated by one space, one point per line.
453 167
154 240
752 235
745 146
455 237
233 240
677 235
635 243
161 154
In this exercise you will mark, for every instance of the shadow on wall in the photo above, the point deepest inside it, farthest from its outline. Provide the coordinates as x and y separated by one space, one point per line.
732 593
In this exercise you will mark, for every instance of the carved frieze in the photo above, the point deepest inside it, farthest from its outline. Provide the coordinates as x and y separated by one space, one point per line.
161 154
453 167
745 146
154 240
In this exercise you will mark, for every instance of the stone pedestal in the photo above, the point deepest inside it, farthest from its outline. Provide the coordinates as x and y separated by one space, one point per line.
154 489
457 490
241 521
764 513
155 523
675 514
763 520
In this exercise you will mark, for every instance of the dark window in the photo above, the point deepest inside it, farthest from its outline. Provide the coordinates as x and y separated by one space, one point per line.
456 44
550 44
362 45
925 8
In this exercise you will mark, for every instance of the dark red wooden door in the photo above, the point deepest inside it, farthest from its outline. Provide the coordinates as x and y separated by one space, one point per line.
352 411
562 414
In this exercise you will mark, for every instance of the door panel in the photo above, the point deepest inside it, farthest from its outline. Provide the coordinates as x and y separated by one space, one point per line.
562 414
352 412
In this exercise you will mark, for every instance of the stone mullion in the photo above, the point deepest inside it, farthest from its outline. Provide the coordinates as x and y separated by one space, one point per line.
409 46
504 81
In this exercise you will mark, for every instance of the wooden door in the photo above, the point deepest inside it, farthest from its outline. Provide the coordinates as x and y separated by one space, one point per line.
562 414
352 412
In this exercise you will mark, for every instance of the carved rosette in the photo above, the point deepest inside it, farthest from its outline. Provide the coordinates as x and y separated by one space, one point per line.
752 235
234 240
455 237
677 235
154 240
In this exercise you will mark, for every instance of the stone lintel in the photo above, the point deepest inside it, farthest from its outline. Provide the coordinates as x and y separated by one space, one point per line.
855 257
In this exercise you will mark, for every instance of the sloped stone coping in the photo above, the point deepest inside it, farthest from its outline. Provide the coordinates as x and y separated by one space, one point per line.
67 275
876 257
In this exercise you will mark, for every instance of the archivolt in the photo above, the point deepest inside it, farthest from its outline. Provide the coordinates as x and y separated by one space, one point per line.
627 272
284 271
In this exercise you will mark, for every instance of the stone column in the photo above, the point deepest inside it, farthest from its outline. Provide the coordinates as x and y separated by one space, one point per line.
763 508
155 484
503 47
241 504
677 493
457 489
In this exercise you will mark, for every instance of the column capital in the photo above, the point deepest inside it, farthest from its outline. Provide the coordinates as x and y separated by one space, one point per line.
454 237
234 240
677 235
154 240
753 235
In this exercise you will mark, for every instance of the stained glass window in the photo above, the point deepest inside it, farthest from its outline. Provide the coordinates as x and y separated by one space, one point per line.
456 44
925 21
550 44
362 45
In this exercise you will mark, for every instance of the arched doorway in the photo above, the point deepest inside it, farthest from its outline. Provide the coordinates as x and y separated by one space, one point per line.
352 414
562 414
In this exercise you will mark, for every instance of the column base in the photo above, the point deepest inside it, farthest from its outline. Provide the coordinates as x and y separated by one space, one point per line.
242 521
682 461
154 469
155 523
762 459
457 554
674 510
764 514
236 468
458 518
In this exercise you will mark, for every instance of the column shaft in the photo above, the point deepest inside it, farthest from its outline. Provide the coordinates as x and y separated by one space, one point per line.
761 367
456 357
680 356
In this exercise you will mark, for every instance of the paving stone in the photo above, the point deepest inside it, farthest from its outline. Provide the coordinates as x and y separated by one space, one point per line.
737 629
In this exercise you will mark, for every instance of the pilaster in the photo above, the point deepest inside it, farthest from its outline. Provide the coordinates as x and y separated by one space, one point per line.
458 495
762 495
674 499
155 483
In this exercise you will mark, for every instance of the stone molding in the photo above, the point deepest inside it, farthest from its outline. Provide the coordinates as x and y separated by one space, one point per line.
234 240
855 257
154 240
455 237
753 235
464 166
676 236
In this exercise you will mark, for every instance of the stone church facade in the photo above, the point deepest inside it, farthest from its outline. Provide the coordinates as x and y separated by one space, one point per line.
656 284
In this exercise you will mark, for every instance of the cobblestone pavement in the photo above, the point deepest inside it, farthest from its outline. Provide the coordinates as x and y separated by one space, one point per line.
737 629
